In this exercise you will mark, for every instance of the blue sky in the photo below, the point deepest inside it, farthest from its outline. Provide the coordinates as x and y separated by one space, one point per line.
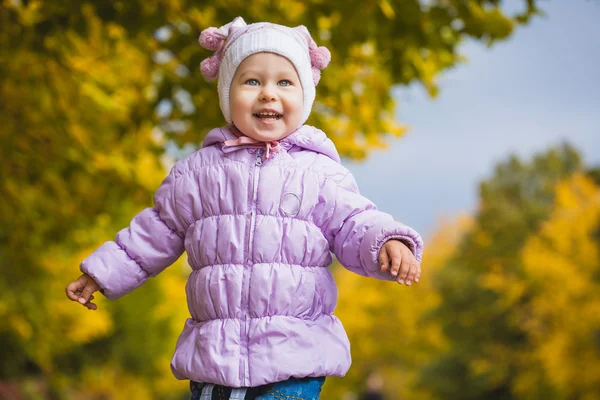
535 90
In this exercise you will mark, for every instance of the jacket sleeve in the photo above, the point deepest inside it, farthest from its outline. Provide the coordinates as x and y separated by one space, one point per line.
356 230
153 241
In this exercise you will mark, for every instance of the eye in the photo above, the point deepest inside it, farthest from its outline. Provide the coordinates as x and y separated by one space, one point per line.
252 82
284 82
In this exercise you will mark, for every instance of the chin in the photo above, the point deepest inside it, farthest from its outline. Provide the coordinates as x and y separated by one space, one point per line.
266 134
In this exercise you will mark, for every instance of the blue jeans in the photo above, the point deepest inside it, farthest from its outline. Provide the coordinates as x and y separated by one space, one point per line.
292 389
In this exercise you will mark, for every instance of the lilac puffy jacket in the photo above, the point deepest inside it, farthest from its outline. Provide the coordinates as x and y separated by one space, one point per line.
259 235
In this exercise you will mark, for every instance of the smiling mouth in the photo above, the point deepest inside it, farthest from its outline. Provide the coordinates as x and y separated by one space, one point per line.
268 116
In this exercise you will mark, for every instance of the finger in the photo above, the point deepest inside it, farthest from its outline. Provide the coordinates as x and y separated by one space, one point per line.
403 272
73 290
90 305
396 262
417 271
395 259
384 260
84 297
412 272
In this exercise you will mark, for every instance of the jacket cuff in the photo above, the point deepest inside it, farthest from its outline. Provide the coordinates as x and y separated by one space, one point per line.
375 238
115 283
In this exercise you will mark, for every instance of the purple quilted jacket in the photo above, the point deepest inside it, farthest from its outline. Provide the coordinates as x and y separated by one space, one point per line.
259 235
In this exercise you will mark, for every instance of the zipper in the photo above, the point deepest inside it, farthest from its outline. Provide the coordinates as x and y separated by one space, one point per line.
244 339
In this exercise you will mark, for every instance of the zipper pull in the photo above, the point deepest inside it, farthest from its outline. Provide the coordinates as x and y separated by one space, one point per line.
259 158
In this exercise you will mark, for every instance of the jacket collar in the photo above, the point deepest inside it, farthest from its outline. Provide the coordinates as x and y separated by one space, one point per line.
306 137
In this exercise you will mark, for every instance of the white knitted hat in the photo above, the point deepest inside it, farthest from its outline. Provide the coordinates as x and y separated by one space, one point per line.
236 41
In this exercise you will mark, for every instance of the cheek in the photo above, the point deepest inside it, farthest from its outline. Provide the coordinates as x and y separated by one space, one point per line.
296 104
239 104
299 100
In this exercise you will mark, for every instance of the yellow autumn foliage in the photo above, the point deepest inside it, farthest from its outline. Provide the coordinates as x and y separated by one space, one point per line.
562 266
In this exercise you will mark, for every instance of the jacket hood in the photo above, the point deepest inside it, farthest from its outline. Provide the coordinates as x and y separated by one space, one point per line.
306 137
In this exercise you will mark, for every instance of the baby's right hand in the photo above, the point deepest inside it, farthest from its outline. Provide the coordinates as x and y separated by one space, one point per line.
82 291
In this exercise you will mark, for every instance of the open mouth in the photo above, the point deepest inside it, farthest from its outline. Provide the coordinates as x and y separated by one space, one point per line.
268 116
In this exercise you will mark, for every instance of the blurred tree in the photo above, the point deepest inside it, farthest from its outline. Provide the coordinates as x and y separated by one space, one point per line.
488 345
93 92
562 275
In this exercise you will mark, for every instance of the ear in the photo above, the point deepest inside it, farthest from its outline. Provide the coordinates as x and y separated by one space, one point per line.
319 55
233 26
304 32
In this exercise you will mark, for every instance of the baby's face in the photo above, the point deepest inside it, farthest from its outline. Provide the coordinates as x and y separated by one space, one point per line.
266 97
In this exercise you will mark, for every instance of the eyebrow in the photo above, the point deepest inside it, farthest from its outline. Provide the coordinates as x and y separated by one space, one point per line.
248 71
258 72
251 72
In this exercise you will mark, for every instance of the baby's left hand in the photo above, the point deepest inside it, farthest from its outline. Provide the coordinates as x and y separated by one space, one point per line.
396 257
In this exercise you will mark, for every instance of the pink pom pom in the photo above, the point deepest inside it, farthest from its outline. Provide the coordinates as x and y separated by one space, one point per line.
320 57
210 67
316 73
211 38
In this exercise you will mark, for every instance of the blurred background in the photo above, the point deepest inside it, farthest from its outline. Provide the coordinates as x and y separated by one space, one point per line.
474 121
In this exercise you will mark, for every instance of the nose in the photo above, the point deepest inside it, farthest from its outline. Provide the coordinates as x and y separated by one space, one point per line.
267 94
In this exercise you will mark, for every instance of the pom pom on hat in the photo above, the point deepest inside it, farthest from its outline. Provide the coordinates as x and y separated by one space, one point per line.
210 67
211 38
320 57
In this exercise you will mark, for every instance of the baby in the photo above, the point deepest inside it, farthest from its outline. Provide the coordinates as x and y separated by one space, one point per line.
259 210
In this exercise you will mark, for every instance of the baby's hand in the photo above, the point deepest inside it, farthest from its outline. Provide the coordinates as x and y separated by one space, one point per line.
396 257
82 291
